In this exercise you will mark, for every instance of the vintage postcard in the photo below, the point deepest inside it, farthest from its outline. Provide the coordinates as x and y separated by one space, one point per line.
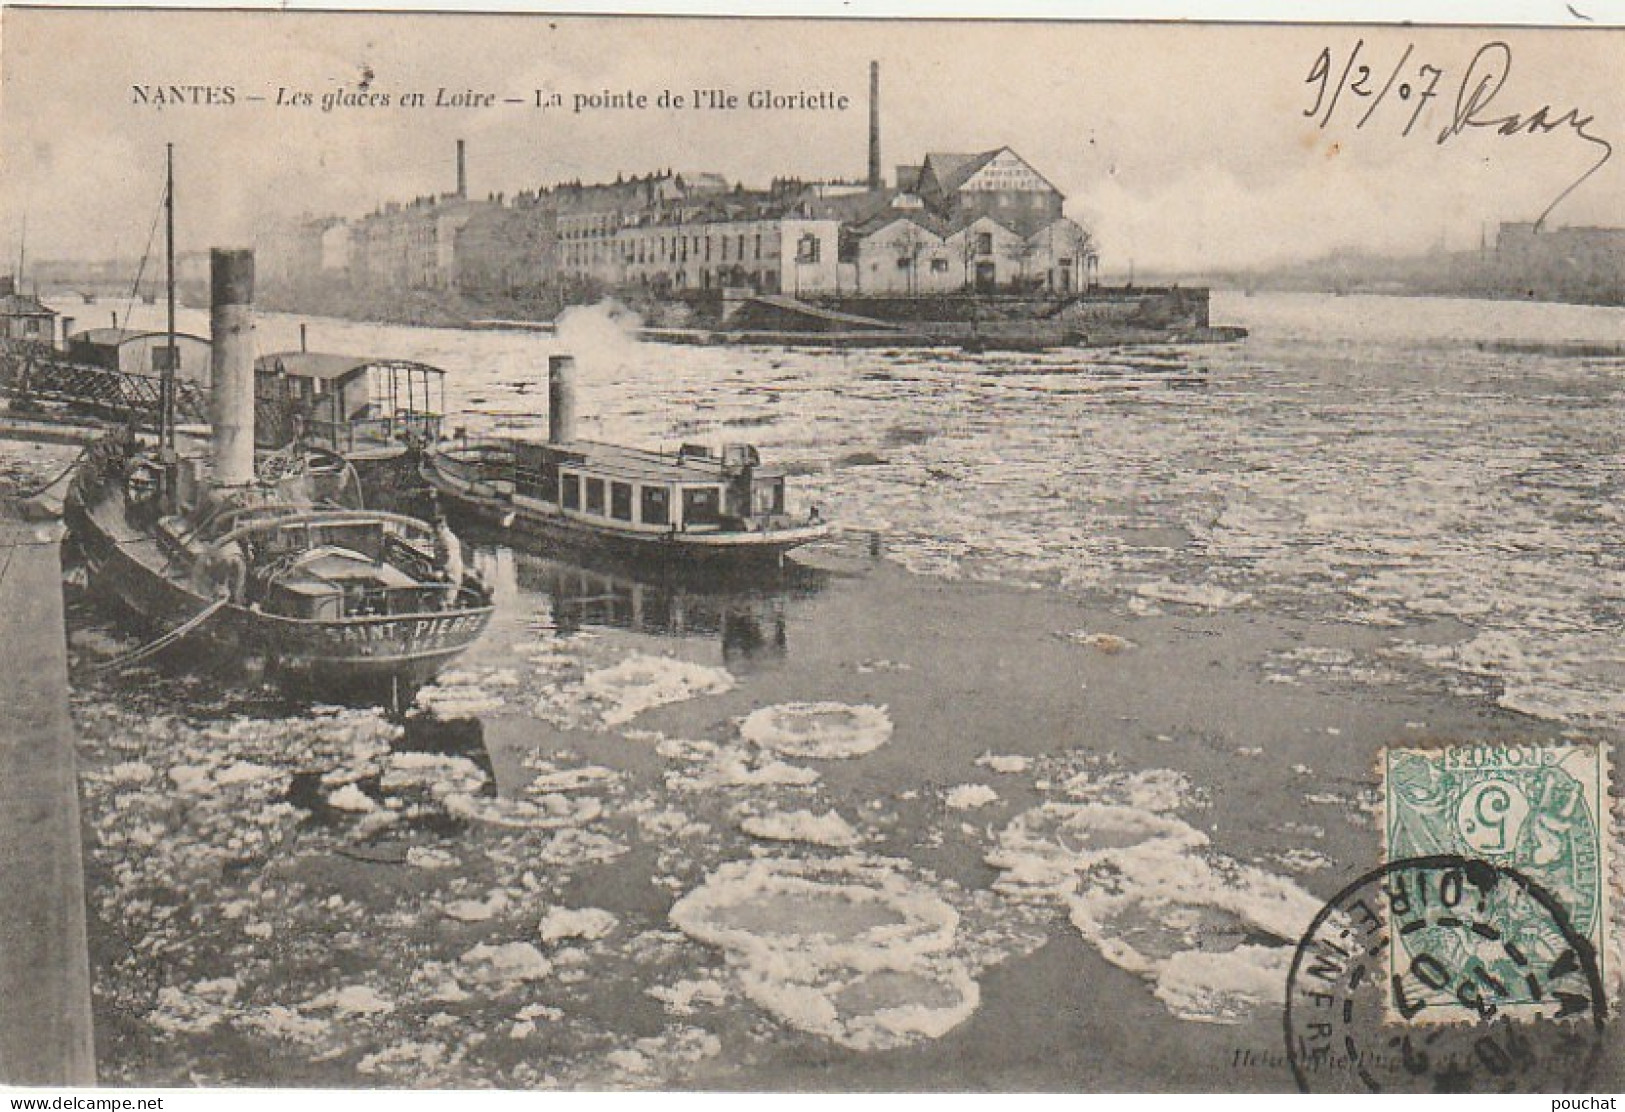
667 553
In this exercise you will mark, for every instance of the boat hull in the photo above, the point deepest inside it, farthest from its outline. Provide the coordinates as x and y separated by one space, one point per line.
556 530
366 654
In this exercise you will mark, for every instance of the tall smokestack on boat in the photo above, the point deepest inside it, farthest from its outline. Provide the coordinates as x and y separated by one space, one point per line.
231 364
874 125
561 399
462 173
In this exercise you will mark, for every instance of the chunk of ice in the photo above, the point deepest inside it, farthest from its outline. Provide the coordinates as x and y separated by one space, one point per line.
824 731
968 797
828 829
846 949
589 923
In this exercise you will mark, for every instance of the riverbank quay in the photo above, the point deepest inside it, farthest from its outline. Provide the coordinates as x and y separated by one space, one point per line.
45 1013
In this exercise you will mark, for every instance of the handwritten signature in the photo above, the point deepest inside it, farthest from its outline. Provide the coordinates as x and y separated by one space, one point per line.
1481 83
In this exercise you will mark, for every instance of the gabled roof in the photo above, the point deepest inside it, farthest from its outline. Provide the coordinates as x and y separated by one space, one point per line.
22 305
1023 224
954 170
924 220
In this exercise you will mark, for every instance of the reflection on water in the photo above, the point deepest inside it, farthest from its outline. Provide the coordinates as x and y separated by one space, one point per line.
746 612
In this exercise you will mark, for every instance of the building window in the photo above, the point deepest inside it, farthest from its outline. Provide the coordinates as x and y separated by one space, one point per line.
572 492
984 243
904 262
656 507
808 248
939 266
595 496
620 501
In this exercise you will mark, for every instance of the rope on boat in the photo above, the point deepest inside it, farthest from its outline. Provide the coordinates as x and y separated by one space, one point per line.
168 639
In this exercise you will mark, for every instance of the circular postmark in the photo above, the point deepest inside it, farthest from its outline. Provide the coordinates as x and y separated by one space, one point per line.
1443 974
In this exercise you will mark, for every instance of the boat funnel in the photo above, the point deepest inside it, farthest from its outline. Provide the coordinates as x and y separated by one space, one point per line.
561 399
231 364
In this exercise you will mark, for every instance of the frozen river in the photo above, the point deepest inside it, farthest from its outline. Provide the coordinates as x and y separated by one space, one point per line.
1101 724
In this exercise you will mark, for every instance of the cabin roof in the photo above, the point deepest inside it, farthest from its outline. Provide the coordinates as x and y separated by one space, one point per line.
331 366
640 465
114 337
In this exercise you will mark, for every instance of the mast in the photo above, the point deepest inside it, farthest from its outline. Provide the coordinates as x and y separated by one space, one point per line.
167 388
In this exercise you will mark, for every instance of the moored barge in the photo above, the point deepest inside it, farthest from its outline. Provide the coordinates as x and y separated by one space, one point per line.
693 505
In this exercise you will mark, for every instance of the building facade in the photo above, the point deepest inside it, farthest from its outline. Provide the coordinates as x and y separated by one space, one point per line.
985 222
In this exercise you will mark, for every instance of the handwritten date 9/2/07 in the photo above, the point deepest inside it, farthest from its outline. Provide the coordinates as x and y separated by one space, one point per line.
1360 87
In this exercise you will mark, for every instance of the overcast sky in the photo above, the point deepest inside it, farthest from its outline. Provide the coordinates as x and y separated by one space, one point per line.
1180 147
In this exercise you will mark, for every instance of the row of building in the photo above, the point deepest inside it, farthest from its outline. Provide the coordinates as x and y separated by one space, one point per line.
986 221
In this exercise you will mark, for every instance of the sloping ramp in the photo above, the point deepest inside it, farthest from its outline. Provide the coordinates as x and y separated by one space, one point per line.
790 308
45 1024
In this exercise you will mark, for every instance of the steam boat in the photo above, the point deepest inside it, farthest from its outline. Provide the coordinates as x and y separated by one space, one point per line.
259 561
692 505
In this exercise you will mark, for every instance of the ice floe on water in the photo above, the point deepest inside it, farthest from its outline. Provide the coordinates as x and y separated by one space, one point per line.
824 731
504 964
614 695
1005 764
464 694
545 812
1213 936
968 797
1203 595
1109 643
589 923
827 829
849 949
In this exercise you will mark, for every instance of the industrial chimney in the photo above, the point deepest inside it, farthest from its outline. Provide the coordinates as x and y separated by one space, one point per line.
874 126
561 399
231 364
462 174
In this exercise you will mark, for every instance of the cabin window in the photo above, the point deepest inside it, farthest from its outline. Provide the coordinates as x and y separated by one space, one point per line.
656 508
767 498
620 501
595 496
572 491
701 506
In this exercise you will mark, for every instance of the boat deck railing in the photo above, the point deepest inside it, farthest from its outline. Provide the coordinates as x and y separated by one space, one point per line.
374 432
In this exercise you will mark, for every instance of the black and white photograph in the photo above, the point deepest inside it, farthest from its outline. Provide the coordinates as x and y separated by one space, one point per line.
646 553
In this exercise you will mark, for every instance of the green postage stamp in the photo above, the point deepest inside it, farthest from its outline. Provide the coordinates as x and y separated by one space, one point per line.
1537 810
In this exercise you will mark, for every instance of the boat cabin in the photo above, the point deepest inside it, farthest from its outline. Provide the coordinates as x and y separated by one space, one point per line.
352 405
629 489
142 353
328 565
